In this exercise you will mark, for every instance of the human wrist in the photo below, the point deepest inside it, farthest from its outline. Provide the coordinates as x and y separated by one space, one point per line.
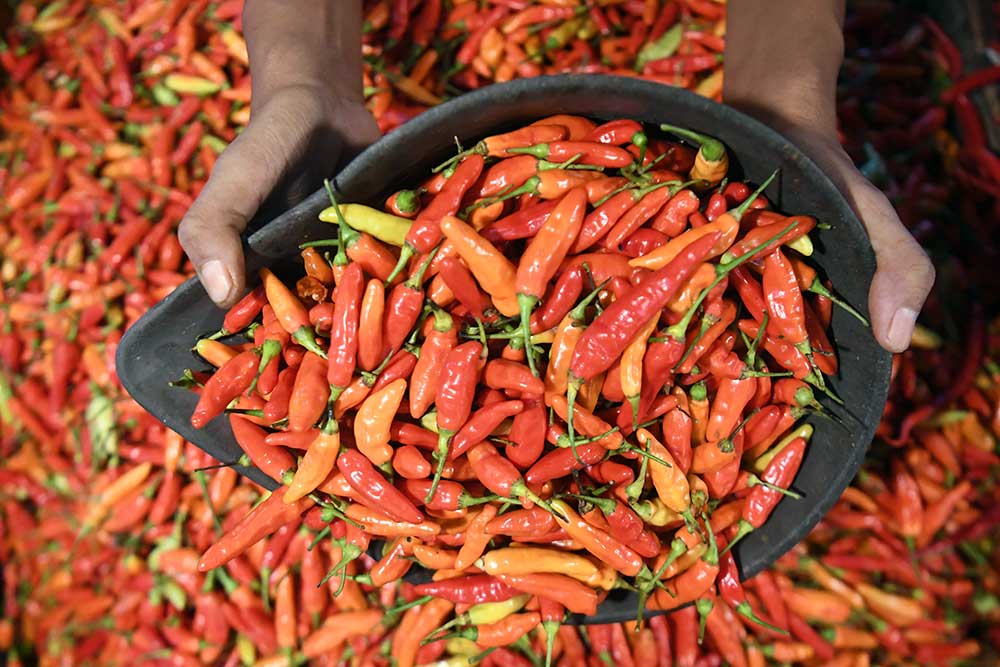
305 44
782 61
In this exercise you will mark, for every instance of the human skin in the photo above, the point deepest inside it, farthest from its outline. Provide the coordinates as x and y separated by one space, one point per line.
782 59
308 112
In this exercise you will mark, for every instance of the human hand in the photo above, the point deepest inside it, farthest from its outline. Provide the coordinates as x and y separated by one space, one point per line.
294 139
797 97
904 275
308 113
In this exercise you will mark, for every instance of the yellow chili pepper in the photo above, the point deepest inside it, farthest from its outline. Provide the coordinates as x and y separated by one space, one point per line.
384 226
803 245
492 612
460 646
193 85
655 513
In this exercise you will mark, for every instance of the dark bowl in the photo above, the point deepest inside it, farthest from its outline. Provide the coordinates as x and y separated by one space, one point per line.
157 348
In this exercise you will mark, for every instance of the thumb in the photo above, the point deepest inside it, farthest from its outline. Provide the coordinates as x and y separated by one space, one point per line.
904 275
210 231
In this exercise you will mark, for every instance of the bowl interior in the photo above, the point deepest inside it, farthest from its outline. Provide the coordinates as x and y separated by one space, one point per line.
157 348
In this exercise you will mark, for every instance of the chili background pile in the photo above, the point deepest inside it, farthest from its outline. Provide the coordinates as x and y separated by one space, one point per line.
84 578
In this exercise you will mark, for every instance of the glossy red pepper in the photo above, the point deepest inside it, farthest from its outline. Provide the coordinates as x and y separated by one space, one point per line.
375 489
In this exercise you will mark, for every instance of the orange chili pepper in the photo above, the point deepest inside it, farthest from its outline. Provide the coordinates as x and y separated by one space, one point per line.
291 314
316 266
816 605
338 628
285 620
542 257
317 464
417 623
213 352
374 419
476 538
494 272
671 483
376 523
435 557
602 545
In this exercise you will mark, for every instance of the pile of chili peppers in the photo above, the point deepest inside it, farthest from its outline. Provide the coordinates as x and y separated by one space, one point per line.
420 52
103 515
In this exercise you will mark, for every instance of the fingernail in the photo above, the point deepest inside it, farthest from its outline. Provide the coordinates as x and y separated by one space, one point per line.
901 328
216 280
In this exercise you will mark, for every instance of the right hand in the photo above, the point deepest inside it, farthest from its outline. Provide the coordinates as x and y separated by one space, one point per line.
296 136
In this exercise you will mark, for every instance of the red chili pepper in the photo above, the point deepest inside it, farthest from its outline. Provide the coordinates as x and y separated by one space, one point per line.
481 424
228 382
378 493
779 473
650 201
241 314
342 355
425 232
471 45
400 366
585 152
527 435
273 461
453 398
560 300
945 47
512 376
615 132
471 589
263 520
784 300
310 393
730 400
607 336
963 85
643 241
786 355
805 633
520 224
684 64
438 342
464 287
497 473
604 217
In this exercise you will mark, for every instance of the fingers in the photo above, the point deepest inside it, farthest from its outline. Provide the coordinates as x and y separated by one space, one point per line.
904 275
285 132
210 232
